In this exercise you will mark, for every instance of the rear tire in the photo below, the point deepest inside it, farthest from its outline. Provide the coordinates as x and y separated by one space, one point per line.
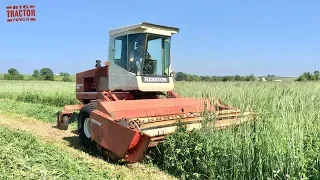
83 115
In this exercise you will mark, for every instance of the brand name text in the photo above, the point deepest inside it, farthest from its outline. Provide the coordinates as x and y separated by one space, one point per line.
156 79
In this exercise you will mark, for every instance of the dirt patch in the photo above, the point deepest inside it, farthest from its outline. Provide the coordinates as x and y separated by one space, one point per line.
49 134
46 131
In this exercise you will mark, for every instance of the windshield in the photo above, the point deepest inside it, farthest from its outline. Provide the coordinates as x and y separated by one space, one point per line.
149 54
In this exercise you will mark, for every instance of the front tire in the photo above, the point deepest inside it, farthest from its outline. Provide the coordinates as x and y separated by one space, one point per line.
84 116
64 124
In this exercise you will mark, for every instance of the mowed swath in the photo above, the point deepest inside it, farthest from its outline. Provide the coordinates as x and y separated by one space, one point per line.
284 141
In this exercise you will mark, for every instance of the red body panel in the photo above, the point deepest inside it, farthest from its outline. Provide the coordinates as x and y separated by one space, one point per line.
151 107
117 138
90 84
137 153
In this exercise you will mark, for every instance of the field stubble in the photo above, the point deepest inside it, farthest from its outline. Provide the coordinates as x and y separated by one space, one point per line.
283 143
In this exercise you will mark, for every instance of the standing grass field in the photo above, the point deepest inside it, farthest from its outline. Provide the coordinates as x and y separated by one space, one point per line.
283 143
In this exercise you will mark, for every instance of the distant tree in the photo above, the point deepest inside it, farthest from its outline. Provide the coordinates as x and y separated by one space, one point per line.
13 71
192 77
270 77
316 75
189 77
40 78
228 78
214 78
307 76
250 78
7 77
205 78
64 74
66 79
180 76
13 74
237 78
301 78
47 74
35 73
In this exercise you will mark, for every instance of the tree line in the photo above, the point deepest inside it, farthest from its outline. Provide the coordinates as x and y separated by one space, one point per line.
44 74
180 76
308 76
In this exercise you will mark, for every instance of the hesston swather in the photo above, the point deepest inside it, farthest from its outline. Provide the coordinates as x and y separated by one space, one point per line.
129 105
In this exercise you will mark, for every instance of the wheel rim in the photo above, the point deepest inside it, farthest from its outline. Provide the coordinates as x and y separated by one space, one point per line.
86 127
65 118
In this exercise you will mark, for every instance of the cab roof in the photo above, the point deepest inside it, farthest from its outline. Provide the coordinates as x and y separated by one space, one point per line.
145 27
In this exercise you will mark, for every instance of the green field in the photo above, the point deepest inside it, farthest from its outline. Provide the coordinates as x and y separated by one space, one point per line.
284 142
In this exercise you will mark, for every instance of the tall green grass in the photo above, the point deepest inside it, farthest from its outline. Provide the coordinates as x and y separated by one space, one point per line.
284 142
41 92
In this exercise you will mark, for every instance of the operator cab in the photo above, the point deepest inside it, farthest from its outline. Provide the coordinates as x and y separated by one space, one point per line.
149 54
140 55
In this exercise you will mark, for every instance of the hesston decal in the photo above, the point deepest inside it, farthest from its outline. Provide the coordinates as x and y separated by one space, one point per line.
155 79
21 13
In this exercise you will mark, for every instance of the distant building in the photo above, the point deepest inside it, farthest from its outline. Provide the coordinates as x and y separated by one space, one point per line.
263 79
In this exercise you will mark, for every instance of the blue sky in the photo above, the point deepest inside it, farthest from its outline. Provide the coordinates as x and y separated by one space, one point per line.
215 38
